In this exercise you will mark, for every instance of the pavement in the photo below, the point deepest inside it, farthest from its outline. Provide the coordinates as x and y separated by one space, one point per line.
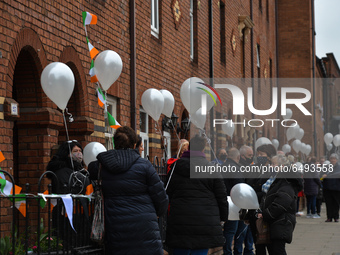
315 236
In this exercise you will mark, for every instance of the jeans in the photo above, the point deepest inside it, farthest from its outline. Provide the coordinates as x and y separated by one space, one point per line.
243 234
311 203
190 251
230 228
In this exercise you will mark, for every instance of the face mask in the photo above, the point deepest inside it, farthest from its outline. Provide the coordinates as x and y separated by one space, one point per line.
249 161
222 157
77 156
262 160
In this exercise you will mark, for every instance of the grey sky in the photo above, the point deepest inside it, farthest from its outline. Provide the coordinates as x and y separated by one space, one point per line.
327 28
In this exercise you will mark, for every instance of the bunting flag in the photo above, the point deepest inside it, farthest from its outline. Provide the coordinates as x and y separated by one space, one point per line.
2 157
2 175
54 201
92 73
101 97
89 19
93 51
89 190
7 188
113 123
20 203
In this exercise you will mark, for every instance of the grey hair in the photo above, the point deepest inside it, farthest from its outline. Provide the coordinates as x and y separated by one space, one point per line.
243 149
281 160
334 155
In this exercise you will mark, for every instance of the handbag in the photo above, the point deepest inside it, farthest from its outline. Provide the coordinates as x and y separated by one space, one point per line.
262 232
98 227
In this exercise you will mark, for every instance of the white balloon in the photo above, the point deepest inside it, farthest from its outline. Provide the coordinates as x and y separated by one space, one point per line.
153 103
244 196
288 115
286 148
91 152
303 148
296 145
336 140
299 167
328 138
326 162
191 94
308 149
198 119
233 210
228 128
169 102
108 66
57 81
299 134
276 143
262 141
329 147
290 133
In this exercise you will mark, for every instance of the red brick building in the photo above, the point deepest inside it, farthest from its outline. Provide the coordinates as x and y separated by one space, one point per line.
208 39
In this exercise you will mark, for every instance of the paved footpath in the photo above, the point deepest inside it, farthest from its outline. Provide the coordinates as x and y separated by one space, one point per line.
315 236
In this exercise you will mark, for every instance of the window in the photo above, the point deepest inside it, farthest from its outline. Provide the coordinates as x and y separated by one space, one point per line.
109 132
167 145
192 29
144 132
154 18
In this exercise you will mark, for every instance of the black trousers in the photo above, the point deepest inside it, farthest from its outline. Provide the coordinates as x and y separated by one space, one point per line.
332 199
276 247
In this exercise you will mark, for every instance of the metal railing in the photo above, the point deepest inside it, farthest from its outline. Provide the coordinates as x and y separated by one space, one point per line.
46 228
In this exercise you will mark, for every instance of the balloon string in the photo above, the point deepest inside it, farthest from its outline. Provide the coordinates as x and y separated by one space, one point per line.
209 142
173 127
68 139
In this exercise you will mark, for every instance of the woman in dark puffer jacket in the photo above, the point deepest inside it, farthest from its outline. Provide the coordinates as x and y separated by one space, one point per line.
133 198
197 206
278 208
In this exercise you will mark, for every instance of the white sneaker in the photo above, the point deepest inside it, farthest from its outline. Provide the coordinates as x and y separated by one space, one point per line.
315 216
309 215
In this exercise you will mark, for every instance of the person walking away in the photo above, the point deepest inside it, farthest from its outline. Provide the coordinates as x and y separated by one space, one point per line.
312 184
198 205
331 189
134 197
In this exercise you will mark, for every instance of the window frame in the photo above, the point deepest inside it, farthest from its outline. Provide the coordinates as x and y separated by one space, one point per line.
144 135
192 31
155 18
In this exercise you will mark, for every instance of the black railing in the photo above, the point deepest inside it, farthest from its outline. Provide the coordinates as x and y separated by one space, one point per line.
46 228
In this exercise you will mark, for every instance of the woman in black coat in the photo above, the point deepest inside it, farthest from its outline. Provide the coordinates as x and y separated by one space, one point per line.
197 206
133 198
278 208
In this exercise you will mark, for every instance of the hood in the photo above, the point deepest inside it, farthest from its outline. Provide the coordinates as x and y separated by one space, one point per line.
295 179
118 161
57 163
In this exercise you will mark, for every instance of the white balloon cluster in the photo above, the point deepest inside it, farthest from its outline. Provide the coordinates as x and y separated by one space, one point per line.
329 138
155 102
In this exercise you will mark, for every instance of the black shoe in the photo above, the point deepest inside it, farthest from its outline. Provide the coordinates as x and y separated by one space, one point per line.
328 220
336 220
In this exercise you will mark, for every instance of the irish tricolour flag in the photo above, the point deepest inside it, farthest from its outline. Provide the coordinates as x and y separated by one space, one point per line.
113 123
89 19
7 187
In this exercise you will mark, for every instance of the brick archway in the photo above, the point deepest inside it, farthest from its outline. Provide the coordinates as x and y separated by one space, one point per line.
34 131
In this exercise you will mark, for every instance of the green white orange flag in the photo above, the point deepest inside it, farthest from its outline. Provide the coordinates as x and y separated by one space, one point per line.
92 73
89 18
42 202
20 203
113 123
7 188
93 51
101 97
